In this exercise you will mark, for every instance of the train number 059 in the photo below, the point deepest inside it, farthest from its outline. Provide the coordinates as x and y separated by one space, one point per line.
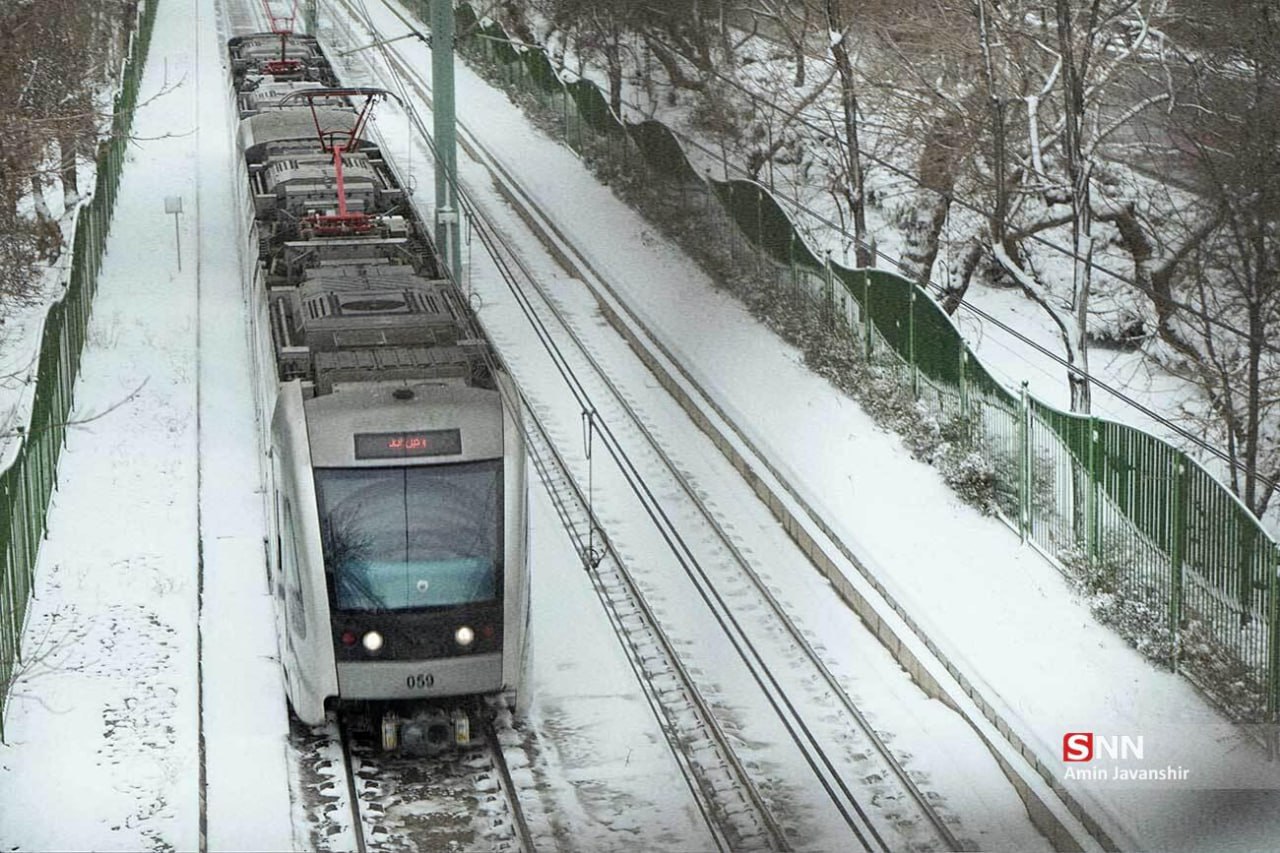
419 681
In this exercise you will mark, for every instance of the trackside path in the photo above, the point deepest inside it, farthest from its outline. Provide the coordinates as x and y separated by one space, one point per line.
104 726
246 723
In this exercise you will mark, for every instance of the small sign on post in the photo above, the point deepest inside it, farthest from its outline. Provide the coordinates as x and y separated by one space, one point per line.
173 204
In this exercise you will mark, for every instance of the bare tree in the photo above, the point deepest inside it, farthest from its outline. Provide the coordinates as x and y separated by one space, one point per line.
57 55
788 21
1075 60
854 179
1087 51
923 71
1226 130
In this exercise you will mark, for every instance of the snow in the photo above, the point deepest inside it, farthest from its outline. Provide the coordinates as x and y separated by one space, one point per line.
104 731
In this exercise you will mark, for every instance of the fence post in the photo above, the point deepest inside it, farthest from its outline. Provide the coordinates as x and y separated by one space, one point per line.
829 282
759 241
963 386
564 102
1092 546
1177 550
1273 644
732 215
31 517
866 320
911 343
1024 463
626 145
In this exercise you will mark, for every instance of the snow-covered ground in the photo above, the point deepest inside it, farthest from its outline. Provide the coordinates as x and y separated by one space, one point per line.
103 723
105 735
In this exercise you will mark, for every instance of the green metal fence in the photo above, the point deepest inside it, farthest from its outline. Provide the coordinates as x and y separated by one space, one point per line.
1185 571
25 486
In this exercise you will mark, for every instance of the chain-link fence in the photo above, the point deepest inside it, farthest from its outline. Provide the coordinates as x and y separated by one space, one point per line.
26 485
1169 555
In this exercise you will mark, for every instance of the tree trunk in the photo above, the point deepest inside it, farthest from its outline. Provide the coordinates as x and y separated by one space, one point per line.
67 145
955 293
1081 219
855 191
37 199
613 61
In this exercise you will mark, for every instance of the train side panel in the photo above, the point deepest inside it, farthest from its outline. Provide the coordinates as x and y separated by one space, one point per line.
516 651
307 648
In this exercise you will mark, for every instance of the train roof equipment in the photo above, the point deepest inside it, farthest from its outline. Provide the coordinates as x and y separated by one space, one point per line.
282 25
335 140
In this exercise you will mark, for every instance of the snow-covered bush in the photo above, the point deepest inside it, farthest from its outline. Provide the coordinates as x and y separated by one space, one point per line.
1219 671
1136 609
972 476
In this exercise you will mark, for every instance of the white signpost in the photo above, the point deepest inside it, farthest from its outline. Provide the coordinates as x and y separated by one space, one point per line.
173 204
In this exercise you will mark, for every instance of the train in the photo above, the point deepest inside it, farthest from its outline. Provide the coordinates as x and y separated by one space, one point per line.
396 464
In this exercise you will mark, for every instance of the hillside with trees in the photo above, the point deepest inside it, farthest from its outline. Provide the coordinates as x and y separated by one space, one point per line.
60 57
1116 161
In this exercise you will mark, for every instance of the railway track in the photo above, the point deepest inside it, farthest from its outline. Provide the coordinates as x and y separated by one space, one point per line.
735 814
877 800
732 809
357 798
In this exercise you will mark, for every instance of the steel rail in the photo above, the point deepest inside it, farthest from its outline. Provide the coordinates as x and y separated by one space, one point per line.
353 799
494 745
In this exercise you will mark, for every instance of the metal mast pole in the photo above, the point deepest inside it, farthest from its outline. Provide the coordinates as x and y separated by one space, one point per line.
446 139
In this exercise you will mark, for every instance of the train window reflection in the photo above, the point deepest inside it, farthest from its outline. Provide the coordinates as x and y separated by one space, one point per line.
413 537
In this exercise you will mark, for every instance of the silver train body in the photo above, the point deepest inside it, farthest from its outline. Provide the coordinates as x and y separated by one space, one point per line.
397 515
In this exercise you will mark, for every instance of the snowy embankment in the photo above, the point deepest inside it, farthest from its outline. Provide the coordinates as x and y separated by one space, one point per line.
22 329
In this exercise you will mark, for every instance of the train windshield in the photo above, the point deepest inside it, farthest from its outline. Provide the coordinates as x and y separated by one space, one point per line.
415 537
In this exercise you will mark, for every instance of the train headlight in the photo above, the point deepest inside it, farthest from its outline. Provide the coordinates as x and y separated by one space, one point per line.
464 636
372 641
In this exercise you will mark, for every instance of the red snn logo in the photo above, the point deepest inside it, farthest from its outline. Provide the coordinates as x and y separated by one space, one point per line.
1077 746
